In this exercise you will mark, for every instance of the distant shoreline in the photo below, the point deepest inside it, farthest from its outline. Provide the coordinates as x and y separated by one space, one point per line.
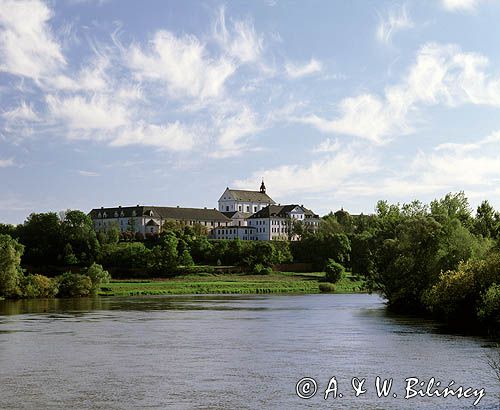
277 282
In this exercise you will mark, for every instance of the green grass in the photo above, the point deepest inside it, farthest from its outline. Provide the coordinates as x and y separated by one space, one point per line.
279 282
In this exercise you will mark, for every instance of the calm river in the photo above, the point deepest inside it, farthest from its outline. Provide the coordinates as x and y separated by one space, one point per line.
227 352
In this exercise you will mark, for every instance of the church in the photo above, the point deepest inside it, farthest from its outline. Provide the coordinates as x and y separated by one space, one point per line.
243 214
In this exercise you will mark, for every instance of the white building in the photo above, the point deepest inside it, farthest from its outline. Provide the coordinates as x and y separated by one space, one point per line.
247 215
247 202
275 222
245 233
150 219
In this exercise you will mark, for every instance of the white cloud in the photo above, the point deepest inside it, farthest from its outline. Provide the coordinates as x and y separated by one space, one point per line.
323 175
80 113
182 64
460 5
8 162
88 173
24 112
91 77
173 136
232 130
396 19
435 174
327 145
457 170
470 146
442 74
240 41
295 70
27 46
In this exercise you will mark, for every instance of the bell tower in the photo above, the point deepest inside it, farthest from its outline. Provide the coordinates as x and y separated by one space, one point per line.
262 188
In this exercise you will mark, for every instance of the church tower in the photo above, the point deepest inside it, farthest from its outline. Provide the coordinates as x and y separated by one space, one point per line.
262 188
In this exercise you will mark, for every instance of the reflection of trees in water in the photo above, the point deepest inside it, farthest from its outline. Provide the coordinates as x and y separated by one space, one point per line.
84 305
73 306
494 362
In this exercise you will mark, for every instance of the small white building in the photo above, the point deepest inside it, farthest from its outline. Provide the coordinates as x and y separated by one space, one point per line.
276 222
244 233
248 202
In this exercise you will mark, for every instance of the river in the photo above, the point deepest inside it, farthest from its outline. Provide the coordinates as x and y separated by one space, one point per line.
228 352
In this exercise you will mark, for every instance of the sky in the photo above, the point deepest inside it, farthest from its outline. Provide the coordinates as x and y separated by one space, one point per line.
333 103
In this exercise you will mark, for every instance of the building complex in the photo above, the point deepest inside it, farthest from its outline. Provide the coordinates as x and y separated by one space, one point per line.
246 215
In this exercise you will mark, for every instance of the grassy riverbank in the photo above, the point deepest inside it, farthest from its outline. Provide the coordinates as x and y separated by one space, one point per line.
278 282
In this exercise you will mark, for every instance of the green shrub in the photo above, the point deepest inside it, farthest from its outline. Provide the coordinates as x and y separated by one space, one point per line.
267 270
259 269
10 266
326 287
333 271
74 285
98 276
185 259
453 295
489 310
39 286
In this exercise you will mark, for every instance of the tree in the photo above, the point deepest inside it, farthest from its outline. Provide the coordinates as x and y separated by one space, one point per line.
98 276
329 225
41 236
74 285
7 229
164 257
185 259
362 248
407 263
111 235
77 229
10 266
486 222
39 286
333 271
452 206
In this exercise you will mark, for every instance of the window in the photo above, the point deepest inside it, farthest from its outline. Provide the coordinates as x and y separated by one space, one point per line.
248 208
239 208
255 209
227 208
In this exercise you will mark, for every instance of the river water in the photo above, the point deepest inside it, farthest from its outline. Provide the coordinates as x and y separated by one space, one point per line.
228 352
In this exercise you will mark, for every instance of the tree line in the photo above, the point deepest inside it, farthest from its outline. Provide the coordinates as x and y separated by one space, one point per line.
439 258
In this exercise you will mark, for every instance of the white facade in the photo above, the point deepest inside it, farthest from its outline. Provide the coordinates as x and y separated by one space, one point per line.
276 222
234 200
244 233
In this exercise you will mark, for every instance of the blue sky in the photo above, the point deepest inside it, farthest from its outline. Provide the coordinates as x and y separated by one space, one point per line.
333 103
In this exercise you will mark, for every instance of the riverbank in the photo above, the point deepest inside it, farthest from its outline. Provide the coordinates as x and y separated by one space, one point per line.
278 282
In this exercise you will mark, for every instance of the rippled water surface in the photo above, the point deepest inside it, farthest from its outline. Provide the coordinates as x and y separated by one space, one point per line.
226 352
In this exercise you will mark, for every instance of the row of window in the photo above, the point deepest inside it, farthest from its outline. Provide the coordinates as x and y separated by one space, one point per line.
115 215
245 238
240 208
230 231
277 230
